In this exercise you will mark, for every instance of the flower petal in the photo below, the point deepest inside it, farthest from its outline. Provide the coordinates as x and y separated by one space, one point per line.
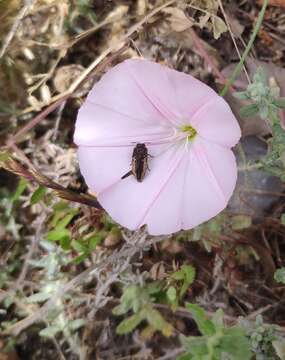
215 122
103 166
120 107
128 201
100 126
181 190
143 102
177 95
209 182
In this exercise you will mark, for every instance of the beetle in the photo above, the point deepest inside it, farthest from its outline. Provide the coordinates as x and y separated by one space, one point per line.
139 162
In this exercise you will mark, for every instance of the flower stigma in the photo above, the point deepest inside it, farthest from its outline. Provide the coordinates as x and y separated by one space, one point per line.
190 131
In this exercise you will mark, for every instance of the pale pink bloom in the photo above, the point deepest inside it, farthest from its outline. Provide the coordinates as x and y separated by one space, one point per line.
189 131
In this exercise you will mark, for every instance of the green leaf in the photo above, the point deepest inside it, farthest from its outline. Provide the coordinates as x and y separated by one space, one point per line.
189 275
60 206
263 110
195 345
94 241
205 326
38 195
67 219
235 343
171 294
58 234
129 300
80 258
130 323
280 102
76 324
249 110
279 275
156 320
65 243
22 184
241 95
39 297
79 246
50 331
217 319
178 275
185 357
283 219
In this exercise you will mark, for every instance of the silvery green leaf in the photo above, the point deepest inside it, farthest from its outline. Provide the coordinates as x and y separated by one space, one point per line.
39 297
263 110
130 323
279 275
76 324
274 92
249 110
50 331
47 245
260 76
42 263
171 293
241 95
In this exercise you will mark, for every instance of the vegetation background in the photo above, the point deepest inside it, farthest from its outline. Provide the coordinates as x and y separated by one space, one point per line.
74 285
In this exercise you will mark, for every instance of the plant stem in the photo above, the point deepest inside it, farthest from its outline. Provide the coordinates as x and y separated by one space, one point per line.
247 50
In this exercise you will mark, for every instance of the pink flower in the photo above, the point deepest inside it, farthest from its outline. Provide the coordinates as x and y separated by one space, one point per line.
188 130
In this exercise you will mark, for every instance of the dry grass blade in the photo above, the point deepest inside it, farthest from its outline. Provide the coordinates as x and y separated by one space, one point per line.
13 166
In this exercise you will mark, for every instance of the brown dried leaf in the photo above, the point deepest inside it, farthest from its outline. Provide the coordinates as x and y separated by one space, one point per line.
177 19
219 26
66 75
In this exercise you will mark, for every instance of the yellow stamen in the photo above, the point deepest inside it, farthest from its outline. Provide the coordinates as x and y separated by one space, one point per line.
191 132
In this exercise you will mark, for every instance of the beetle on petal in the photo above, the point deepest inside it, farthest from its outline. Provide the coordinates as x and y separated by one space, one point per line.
188 129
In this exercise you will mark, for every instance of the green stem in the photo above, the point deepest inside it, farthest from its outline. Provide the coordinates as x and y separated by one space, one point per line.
247 50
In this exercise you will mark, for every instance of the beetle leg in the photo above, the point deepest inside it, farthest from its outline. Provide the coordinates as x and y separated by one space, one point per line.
127 174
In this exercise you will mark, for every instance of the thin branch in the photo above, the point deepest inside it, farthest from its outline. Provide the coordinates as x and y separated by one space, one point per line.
33 175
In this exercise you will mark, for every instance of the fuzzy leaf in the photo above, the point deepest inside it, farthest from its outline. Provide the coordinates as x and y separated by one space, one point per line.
50 331
76 324
235 343
39 297
205 326
156 320
130 323
241 95
171 293
279 275
249 110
